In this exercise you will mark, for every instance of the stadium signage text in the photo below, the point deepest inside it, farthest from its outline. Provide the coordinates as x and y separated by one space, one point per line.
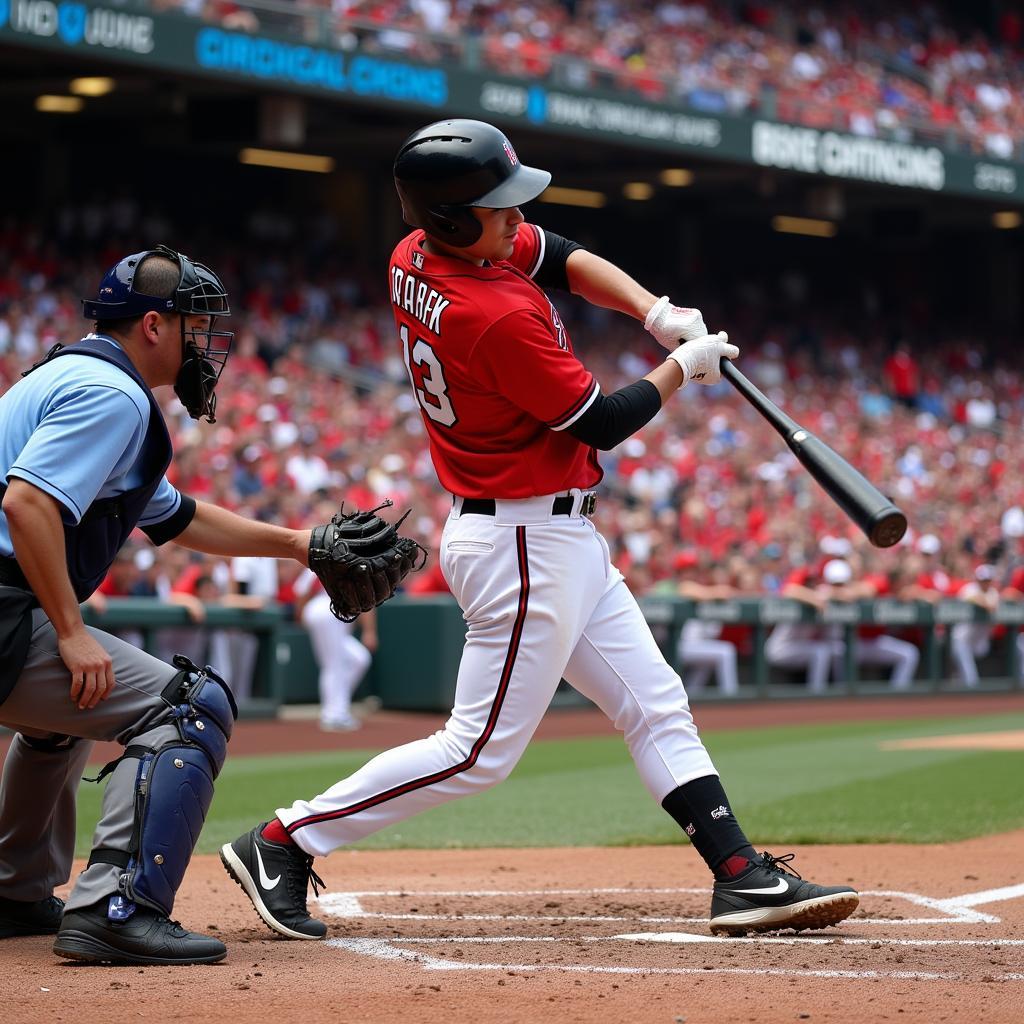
74 23
720 611
260 57
115 30
995 178
594 114
845 156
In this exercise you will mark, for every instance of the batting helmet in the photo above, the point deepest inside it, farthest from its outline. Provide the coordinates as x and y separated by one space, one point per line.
449 166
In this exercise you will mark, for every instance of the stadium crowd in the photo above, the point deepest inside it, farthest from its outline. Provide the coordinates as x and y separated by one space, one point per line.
315 404
903 70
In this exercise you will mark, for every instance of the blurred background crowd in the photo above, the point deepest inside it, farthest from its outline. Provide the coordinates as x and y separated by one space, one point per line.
897 344
315 407
901 70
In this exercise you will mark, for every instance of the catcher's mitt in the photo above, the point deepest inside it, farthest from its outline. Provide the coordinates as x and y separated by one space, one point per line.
360 559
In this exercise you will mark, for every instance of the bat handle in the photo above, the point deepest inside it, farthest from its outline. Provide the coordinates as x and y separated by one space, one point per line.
785 425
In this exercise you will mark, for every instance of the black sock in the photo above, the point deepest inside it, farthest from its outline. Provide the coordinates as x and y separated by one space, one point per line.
702 810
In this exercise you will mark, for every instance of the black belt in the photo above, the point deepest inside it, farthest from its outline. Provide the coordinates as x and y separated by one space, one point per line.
561 506
11 574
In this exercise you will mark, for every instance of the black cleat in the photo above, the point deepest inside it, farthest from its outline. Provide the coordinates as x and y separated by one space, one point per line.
147 937
30 917
765 898
275 877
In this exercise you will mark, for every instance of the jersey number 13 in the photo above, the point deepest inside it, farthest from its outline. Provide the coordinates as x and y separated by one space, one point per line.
433 396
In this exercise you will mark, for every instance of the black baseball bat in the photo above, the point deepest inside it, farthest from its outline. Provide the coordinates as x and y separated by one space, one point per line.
882 522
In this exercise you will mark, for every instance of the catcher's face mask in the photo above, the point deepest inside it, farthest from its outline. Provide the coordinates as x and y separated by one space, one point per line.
204 350
199 299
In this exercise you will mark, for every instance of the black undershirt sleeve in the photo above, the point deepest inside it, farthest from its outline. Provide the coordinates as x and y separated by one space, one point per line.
552 273
612 418
169 528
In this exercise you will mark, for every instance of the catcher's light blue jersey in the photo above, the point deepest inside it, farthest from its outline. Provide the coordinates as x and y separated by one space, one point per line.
75 428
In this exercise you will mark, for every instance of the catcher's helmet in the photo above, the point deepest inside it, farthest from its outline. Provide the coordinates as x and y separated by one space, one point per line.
199 292
444 169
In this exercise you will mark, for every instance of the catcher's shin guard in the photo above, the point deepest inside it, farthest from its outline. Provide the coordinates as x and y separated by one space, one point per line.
174 787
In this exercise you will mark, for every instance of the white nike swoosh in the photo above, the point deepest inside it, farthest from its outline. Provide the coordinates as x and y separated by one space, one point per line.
773 890
265 880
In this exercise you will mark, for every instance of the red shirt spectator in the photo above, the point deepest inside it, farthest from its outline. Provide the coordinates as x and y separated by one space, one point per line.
902 375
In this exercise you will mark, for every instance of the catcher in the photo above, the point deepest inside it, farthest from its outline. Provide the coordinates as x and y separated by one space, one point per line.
83 456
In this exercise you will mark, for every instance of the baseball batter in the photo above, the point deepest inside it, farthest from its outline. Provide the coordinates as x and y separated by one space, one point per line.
515 422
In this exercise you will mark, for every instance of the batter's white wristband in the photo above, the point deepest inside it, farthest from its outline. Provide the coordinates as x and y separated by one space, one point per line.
680 360
654 312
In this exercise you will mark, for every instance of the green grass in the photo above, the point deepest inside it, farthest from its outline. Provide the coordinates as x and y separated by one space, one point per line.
812 784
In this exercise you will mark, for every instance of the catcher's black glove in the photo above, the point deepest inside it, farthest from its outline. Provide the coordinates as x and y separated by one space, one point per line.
360 559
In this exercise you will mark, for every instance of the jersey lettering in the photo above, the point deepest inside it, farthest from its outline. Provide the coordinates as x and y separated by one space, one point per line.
497 387
433 396
418 299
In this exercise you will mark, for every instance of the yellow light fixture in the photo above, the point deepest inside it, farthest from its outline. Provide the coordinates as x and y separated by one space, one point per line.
95 86
573 197
1006 219
638 190
59 104
804 226
676 177
287 161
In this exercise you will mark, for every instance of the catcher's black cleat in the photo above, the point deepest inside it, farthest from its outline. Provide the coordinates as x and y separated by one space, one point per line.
275 877
30 917
766 898
145 938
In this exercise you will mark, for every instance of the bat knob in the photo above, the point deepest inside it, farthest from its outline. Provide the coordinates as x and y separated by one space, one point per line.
888 528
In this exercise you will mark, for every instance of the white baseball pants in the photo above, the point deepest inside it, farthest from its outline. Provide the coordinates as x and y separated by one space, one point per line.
900 655
541 601
967 642
789 646
342 659
702 656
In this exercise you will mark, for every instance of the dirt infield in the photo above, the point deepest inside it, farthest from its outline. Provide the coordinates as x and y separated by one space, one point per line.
579 935
506 936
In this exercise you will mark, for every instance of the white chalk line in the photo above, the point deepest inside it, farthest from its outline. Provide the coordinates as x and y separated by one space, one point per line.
605 919
525 892
825 940
383 949
955 909
686 938
971 899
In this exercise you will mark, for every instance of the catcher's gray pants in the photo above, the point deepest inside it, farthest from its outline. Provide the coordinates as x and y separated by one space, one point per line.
43 766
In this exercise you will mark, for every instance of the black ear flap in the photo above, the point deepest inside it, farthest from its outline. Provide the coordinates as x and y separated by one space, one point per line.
455 225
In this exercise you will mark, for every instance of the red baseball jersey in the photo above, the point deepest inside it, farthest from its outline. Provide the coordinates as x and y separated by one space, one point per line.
494 371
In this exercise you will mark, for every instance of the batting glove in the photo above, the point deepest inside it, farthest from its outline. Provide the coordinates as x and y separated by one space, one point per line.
674 324
699 359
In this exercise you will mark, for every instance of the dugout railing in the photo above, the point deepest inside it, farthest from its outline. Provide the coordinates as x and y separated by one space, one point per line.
420 643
